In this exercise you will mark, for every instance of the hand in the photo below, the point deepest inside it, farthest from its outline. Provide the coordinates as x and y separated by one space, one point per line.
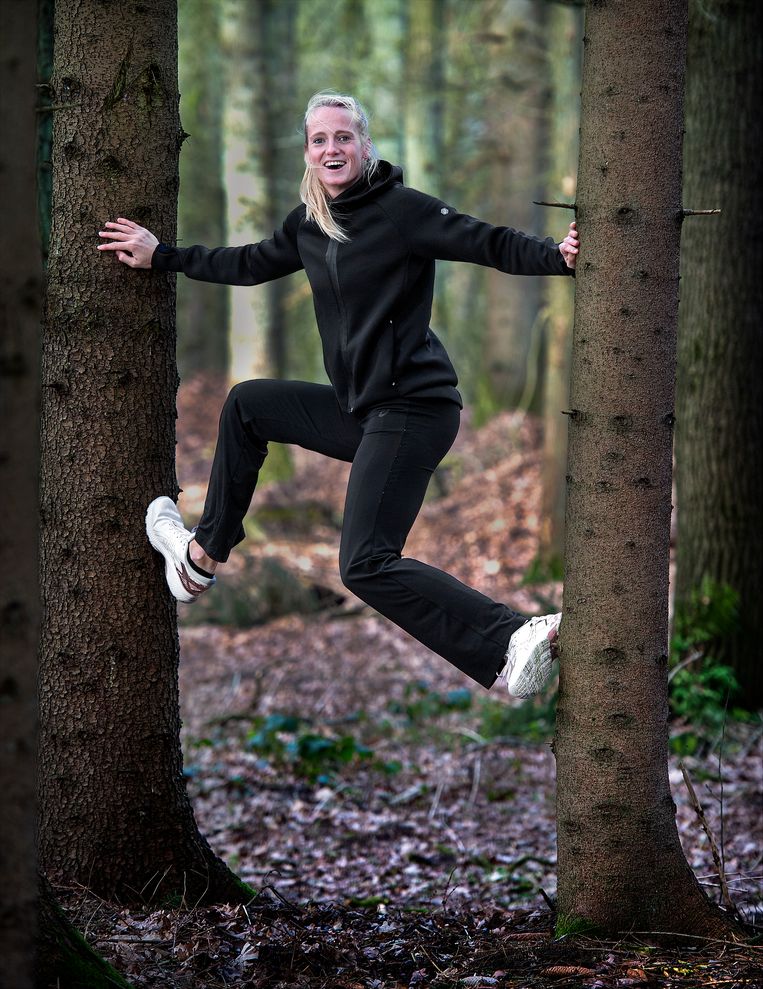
570 246
134 244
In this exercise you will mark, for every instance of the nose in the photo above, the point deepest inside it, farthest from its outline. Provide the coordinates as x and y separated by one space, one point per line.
331 144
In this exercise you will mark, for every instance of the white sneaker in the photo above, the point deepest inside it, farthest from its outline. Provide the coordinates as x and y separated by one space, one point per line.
530 656
168 536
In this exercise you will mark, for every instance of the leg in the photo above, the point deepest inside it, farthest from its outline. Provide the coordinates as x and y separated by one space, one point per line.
256 412
395 460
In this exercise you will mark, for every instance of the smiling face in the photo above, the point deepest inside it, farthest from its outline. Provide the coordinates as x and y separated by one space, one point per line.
334 148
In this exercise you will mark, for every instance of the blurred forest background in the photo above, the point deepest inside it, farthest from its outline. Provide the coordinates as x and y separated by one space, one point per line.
467 97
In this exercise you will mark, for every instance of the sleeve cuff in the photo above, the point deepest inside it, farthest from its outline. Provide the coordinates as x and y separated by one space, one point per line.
166 258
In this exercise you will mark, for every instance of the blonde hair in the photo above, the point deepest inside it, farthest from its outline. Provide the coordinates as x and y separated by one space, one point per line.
311 190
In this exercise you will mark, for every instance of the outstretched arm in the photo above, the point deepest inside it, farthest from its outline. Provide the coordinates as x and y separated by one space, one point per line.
134 244
570 246
249 265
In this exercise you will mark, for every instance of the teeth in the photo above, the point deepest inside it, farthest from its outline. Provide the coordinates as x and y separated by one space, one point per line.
334 164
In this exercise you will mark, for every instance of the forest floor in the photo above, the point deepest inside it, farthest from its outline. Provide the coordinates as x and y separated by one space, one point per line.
396 820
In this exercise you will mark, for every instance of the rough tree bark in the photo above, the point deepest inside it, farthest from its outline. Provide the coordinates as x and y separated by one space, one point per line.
115 815
719 429
621 866
20 290
203 310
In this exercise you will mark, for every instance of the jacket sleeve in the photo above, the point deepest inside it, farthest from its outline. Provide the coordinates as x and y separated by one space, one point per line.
249 265
435 230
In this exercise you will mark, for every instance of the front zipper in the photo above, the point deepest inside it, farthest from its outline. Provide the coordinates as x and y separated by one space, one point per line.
331 253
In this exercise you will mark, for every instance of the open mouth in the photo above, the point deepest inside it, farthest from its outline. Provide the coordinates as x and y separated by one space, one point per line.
334 166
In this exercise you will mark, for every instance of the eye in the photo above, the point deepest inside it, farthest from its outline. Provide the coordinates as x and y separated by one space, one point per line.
317 140
344 138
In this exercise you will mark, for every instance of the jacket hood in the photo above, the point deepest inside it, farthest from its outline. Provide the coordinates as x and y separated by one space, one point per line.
385 176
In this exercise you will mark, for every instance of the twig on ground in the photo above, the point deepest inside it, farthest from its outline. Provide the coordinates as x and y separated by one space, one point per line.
436 800
475 781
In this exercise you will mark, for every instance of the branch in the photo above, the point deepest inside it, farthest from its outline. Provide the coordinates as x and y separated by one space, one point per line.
540 202
700 212
694 800
53 107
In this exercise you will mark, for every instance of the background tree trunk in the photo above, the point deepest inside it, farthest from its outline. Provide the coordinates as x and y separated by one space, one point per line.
517 148
203 310
44 121
719 432
270 28
563 55
115 815
20 290
621 866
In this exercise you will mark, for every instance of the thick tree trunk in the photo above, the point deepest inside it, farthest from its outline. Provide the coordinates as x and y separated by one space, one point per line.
621 866
20 291
203 310
719 432
114 811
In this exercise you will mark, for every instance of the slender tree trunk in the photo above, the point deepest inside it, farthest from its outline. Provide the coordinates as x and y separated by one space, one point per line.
719 432
20 290
356 37
621 866
518 157
115 815
270 27
565 42
203 310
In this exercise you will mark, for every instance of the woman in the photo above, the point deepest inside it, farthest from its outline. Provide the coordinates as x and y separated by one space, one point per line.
368 245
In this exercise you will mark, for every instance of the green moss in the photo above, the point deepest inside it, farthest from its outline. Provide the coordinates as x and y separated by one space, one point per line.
568 925
66 960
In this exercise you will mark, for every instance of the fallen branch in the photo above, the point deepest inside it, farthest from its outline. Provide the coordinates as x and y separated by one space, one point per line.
705 824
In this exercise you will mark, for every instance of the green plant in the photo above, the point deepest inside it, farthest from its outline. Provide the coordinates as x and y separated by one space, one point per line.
313 755
421 703
701 687
543 571
533 720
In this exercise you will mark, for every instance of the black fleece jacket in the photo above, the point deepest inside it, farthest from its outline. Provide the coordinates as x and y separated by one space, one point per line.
373 295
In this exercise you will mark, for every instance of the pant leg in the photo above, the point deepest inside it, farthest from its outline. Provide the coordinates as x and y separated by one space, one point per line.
254 413
400 449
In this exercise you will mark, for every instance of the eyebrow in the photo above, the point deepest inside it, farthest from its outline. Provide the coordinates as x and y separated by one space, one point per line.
322 133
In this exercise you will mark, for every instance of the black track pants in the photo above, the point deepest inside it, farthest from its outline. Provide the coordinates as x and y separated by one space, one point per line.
394 450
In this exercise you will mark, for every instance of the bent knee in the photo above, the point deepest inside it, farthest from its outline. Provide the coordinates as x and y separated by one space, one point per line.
361 574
